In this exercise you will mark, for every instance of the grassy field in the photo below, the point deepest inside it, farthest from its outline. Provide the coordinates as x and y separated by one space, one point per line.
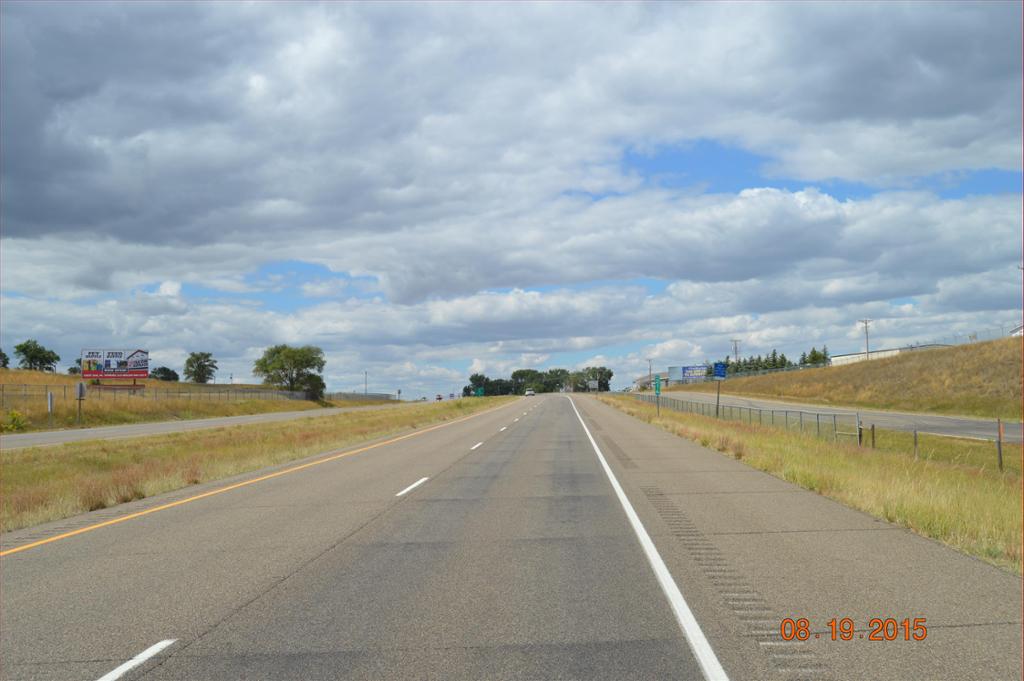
978 379
47 483
107 408
23 376
945 494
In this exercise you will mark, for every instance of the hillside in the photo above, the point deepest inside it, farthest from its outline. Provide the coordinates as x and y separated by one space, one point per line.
979 379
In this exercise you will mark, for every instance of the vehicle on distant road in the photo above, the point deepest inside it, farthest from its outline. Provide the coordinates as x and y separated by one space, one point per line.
439 397
530 393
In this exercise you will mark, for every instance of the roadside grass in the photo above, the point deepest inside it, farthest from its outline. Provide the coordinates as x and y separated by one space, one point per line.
41 484
963 452
108 408
978 379
946 496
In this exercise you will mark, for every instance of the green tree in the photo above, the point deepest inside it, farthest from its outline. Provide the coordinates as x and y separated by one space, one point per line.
525 378
164 374
5 361
200 367
475 381
555 379
291 368
35 357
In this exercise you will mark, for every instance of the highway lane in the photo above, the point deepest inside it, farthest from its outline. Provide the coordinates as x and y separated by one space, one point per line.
56 437
497 548
892 420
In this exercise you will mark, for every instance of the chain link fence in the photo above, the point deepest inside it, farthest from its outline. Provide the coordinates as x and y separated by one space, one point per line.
830 426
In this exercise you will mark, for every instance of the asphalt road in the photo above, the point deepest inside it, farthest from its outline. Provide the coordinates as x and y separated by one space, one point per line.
891 420
57 437
515 558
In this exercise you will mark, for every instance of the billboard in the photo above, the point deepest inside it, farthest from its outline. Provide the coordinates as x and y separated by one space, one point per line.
115 363
696 371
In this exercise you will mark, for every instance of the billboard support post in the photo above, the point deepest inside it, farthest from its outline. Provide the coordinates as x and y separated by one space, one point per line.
80 395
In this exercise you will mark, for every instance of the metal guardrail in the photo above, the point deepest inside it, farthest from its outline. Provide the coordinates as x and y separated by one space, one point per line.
824 425
376 397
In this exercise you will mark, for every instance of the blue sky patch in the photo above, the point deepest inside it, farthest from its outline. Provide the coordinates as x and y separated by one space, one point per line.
710 167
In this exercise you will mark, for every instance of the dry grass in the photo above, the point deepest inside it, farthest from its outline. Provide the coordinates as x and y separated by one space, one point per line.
973 509
110 409
23 376
107 408
979 379
47 483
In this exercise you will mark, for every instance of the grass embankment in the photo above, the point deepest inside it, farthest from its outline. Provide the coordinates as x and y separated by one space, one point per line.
979 379
109 408
48 483
945 496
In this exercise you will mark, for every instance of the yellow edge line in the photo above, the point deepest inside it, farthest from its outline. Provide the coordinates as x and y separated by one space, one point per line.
244 483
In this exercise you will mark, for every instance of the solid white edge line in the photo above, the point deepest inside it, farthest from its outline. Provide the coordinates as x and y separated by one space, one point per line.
137 660
475 446
502 428
702 650
412 486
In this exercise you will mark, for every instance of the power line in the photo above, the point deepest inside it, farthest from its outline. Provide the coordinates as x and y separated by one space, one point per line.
867 344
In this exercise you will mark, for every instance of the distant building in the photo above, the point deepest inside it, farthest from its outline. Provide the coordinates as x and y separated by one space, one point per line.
644 382
839 360
1018 331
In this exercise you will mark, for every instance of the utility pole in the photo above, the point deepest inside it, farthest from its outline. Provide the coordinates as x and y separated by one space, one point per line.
365 381
867 345
736 349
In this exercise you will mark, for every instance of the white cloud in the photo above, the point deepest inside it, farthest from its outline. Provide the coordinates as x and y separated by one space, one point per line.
441 154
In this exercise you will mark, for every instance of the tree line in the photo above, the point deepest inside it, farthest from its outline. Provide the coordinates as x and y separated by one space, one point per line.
773 360
552 380
285 367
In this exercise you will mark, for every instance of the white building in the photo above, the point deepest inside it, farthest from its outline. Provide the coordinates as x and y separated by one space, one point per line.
839 360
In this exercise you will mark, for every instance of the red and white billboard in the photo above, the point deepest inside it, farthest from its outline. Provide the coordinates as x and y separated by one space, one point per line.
115 363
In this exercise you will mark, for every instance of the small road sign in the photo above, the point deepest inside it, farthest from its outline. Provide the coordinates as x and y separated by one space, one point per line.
719 371
657 385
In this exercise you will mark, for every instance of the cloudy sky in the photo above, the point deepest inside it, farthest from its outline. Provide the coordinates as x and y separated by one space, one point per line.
426 191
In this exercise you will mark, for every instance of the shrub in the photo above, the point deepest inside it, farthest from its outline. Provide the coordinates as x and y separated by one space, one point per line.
16 422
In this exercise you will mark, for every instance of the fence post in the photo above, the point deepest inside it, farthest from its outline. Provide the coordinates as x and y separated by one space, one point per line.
999 442
801 422
817 424
860 432
915 444
787 419
872 436
835 429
